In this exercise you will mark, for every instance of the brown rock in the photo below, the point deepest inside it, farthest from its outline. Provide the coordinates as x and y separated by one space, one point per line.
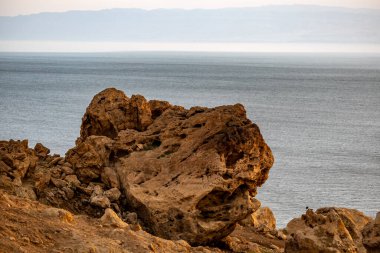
112 194
333 229
111 218
196 169
111 111
42 179
263 219
58 182
110 178
25 192
237 245
131 218
41 150
55 161
371 235
100 201
69 193
67 170
61 214
158 107
189 174
16 158
89 157
72 180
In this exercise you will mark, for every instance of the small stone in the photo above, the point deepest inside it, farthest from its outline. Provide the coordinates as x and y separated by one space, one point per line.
25 239
67 164
112 194
26 192
55 161
69 193
72 180
12 238
35 240
67 170
98 190
109 177
62 214
56 172
41 150
281 235
111 218
58 182
100 201
131 218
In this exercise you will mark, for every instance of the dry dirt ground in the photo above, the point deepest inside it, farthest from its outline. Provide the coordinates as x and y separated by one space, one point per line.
29 226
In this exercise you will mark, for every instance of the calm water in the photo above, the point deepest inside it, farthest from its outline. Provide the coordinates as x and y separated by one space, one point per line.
320 114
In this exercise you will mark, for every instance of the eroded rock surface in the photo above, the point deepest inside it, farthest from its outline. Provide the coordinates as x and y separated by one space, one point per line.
16 159
327 230
188 174
371 235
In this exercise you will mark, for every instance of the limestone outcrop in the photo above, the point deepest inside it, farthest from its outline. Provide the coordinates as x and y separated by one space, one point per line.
143 172
327 230
188 174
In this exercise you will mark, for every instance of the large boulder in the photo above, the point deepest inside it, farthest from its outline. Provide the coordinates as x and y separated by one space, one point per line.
188 174
327 230
262 220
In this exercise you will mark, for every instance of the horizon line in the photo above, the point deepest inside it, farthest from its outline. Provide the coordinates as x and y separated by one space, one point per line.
192 9
109 47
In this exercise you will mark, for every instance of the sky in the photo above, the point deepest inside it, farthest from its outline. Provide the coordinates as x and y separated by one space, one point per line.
24 7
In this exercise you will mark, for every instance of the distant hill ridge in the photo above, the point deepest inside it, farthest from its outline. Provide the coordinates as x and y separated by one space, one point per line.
293 23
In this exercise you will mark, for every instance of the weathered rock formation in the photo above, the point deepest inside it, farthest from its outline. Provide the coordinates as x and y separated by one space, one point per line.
147 166
327 230
15 160
371 235
188 174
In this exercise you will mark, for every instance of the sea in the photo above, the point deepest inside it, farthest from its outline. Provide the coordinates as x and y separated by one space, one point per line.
319 113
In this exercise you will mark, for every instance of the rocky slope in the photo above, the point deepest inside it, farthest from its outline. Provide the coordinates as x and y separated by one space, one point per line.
147 176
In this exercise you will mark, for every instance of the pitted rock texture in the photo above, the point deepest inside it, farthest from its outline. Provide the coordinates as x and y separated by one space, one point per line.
327 230
111 111
188 174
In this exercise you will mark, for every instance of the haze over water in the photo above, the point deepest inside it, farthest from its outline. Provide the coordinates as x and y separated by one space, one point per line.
318 113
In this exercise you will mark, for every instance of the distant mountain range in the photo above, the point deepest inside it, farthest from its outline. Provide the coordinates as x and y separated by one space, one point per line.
297 23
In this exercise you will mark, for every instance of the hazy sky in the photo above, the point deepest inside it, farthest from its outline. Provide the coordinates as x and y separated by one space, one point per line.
18 7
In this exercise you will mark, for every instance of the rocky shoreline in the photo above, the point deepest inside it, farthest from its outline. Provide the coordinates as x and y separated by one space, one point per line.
148 176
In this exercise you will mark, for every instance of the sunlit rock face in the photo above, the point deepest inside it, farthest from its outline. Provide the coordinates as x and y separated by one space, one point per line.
188 174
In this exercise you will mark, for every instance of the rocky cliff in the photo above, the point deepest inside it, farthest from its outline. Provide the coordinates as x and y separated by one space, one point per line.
148 176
